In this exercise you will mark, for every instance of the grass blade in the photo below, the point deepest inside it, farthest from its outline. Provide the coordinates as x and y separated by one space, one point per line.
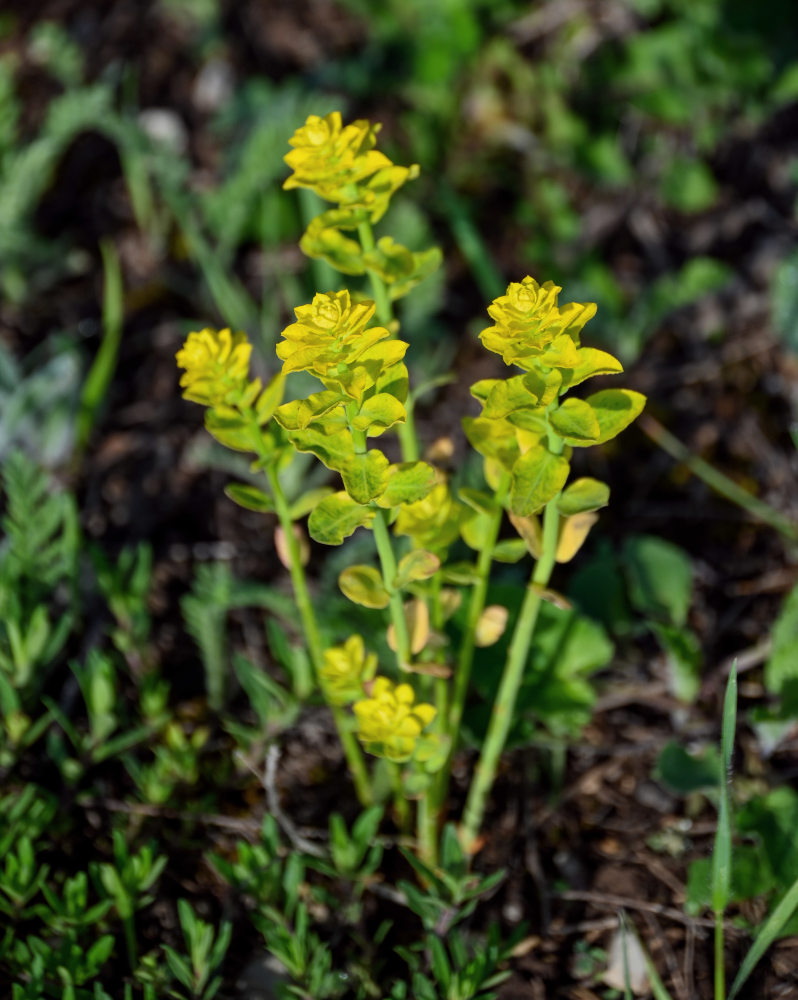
768 932
721 855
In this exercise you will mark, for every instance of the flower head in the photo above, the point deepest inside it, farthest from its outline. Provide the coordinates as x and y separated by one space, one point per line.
346 669
216 364
329 332
389 724
330 157
531 326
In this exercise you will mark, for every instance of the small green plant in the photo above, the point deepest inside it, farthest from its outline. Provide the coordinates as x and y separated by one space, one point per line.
525 434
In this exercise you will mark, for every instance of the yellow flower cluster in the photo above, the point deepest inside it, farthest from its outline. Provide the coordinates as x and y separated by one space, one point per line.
216 366
339 162
389 724
531 326
346 669
329 332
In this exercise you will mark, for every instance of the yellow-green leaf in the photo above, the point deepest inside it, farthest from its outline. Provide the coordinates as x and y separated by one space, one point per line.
478 500
615 409
305 503
537 477
336 517
249 497
298 414
378 414
591 362
394 380
407 482
544 385
270 398
229 428
583 495
334 450
416 565
492 438
561 353
365 475
575 422
573 532
508 395
417 619
363 585
510 550
462 574
476 528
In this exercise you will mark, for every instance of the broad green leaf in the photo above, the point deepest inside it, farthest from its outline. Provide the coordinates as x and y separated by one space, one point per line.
336 517
773 818
462 574
298 414
573 532
683 660
365 475
615 409
510 550
379 413
591 362
230 428
394 380
249 497
407 483
575 422
416 565
333 450
324 239
544 385
583 495
537 477
476 527
659 578
492 438
363 585
508 395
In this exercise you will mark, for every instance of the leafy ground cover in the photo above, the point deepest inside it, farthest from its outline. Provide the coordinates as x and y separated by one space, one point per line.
152 672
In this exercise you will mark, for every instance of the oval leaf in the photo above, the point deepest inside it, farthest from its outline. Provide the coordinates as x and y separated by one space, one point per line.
538 476
416 565
615 409
363 585
573 532
336 517
364 475
575 422
249 497
407 483
583 495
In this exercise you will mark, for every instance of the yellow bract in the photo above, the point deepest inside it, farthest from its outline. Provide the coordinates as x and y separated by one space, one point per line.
330 331
432 523
389 724
216 364
529 323
328 156
346 668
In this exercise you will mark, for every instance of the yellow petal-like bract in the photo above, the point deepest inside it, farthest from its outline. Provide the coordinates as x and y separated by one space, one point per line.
346 669
216 366
389 724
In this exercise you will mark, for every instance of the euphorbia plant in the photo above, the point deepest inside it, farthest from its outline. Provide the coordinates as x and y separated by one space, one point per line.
525 433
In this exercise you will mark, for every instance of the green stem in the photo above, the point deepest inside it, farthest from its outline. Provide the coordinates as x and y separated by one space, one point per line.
129 925
352 751
720 969
382 539
427 828
401 807
717 481
384 311
517 655
465 658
